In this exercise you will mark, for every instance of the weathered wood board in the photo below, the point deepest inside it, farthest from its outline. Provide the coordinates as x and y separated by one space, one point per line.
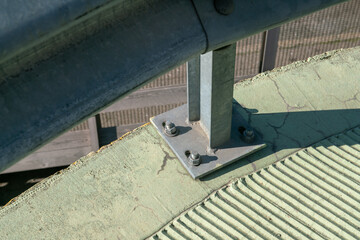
62 151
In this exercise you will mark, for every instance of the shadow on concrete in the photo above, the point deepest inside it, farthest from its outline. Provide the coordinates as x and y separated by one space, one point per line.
291 130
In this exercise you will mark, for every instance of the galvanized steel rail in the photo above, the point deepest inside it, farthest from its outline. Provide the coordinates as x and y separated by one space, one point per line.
61 62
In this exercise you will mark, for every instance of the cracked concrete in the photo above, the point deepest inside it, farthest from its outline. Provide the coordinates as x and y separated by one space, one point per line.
168 155
165 159
130 189
288 106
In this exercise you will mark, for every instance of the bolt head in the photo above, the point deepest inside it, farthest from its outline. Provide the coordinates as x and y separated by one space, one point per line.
169 124
249 135
194 159
170 129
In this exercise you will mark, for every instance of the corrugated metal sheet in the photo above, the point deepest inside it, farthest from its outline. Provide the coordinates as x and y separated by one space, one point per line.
248 56
82 126
332 28
176 76
312 194
128 116
131 116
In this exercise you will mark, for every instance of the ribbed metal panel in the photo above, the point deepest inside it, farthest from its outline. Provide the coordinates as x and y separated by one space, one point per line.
82 126
312 194
248 55
132 116
174 77
128 116
332 28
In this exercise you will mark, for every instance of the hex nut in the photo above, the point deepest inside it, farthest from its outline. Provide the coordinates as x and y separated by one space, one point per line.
170 129
249 135
194 159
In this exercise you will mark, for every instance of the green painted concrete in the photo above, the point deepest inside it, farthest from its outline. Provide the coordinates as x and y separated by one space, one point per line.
309 195
135 186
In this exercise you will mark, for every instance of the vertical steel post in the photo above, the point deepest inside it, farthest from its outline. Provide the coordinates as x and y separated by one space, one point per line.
270 49
216 94
193 89
94 134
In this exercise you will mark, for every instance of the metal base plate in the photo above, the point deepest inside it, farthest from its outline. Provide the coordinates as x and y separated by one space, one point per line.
191 137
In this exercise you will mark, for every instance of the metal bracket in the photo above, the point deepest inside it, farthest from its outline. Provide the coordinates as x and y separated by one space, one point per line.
209 133
191 139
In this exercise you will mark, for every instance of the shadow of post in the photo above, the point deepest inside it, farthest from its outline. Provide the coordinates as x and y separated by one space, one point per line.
287 132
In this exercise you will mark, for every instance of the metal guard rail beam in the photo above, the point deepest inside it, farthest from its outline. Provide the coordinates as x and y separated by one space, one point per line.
63 61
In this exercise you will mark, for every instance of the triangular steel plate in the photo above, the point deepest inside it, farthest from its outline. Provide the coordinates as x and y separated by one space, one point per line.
191 137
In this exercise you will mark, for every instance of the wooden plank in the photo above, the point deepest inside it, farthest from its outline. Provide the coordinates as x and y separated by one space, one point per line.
68 140
40 160
62 151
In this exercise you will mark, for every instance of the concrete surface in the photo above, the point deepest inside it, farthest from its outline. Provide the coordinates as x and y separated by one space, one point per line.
312 194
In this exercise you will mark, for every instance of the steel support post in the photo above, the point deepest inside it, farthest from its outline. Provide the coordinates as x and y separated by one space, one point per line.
216 91
270 47
94 132
193 89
